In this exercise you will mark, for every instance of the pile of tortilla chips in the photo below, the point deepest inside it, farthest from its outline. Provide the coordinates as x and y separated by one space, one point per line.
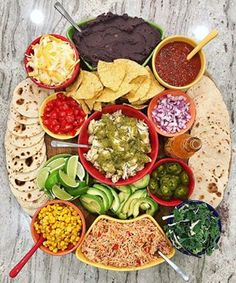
113 80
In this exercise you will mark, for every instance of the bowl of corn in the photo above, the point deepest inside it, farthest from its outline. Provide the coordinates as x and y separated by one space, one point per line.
63 227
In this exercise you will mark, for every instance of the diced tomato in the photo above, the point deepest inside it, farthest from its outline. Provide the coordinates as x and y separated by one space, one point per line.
61 96
63 115
99 234
70 118
147 249
53 115
115 247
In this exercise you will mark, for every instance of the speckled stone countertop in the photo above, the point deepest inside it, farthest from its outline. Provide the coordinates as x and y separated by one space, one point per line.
23 20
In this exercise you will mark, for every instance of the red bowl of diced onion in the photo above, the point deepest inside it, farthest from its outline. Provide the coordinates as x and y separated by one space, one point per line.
172 112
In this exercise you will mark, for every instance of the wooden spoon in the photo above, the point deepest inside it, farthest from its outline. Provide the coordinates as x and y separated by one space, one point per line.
15 270
202 43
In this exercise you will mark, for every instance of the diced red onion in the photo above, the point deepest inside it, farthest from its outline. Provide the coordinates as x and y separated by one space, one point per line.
171 114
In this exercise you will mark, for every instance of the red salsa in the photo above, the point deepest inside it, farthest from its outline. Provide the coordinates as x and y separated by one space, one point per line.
63 115
172 65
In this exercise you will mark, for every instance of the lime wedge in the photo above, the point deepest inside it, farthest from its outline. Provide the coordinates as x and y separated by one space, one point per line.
67 181
61 155
42 177
80 171
71 166
60 193
56 164
51 180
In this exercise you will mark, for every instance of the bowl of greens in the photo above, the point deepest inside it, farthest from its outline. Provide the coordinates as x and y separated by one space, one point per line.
194 228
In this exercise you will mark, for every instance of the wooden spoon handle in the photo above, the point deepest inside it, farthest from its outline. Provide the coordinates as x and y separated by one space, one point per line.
202 43
15 270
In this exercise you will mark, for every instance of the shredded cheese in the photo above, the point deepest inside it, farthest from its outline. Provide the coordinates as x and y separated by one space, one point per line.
53 60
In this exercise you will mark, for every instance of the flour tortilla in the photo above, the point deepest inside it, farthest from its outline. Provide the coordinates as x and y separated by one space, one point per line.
23 152
23 141
21 130
22 176
20 186
20 118
33 204
27 196
29 211
210 164
26 165
27 97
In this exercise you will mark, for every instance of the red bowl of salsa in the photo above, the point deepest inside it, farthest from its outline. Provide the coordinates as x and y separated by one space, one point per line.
170 64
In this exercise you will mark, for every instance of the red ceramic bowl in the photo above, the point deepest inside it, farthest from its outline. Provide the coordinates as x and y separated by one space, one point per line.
174 92
64 84
187 169
71 247
131 112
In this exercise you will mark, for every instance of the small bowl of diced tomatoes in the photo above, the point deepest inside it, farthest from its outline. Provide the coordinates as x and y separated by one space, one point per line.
61 116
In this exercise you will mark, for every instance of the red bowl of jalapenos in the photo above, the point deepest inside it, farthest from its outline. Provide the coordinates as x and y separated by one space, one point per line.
171 182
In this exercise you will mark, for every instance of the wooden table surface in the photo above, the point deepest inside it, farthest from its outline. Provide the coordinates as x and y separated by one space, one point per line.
23 20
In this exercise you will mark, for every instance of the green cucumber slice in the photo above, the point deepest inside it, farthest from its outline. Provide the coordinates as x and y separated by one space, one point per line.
97 192
67 181
92 203
106 191
142 183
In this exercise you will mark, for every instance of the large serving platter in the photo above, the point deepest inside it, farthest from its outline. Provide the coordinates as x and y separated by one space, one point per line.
93 218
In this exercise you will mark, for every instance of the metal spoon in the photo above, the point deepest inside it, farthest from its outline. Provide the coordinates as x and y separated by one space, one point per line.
65 14
69 144
174 266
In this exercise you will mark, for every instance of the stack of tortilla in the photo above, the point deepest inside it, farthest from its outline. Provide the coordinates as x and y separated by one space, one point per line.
25 147
211 163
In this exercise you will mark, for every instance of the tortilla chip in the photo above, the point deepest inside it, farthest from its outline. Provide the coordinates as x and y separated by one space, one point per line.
73 87
139 107
140 92
133 69
84 106
89 87
111 74
108 95
97 106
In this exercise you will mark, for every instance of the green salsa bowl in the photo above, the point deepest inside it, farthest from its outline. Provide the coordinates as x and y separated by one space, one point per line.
71 30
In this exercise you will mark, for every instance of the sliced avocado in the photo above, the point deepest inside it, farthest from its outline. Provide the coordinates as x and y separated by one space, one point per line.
138 194
106 191
142 183
122 215
97 192
131 207
151 202
116 201
125 189
124 196
144 206
133 188
92 203
153 206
